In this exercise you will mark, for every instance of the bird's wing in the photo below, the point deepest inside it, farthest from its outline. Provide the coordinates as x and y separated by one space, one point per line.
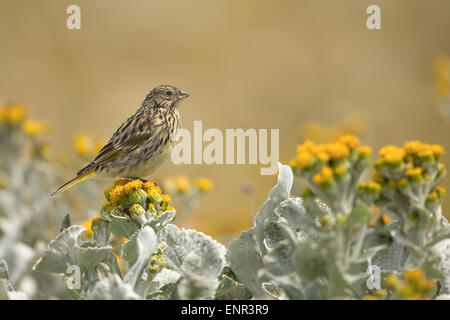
136 130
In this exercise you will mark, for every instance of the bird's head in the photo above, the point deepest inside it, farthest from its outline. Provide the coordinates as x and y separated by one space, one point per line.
165 96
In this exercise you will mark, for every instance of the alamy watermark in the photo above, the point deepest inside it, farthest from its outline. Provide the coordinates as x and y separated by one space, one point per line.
374 279
236 146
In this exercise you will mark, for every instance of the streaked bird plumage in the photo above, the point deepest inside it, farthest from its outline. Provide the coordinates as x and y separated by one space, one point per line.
142 143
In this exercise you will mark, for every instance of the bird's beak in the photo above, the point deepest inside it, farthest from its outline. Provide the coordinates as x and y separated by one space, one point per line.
182 95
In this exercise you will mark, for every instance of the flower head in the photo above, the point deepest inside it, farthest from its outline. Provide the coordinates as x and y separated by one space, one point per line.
323 176
34 128
204 184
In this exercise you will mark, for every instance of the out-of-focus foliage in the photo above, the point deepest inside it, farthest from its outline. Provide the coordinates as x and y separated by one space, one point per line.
442 74
355 124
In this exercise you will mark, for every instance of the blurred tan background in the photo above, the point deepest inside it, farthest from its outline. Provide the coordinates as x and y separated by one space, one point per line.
246 64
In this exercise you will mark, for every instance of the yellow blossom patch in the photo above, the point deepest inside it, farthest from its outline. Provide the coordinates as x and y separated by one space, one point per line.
307 146
441 191
34 128
349 140
323 156
416 171
340 170
120 190
166 198
182 183
414 275
204 184
391 280
364 151
386 218
15 113
304 160
81 144
374 185
337 150
370 298
88 225
437 149
392 154
442 73
323 176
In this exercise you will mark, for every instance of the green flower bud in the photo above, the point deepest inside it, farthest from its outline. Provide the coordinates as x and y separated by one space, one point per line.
137 213
138 196
157 263
154 196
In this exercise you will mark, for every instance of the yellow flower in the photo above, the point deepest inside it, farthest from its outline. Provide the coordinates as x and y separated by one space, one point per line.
34 128
340 170
15 113
441 191
81 144
120 190
325 174
416 171
413 147
425 153
364 151
349 140
374 185
337 150
306 146
422 149
392 154
437 149
166 198
391 280
86 145
370 298
323 156
182 184
304 159
88 225
386 218
442 72
204 184
414 275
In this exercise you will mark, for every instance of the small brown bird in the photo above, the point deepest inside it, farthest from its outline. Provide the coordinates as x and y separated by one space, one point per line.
142 143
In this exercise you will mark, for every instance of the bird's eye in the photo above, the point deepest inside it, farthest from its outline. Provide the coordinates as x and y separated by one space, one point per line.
169 93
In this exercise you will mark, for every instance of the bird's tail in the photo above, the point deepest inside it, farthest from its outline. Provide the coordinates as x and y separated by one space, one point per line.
72 182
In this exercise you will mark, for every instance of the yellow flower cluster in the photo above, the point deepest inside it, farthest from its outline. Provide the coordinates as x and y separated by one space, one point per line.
121 188
16 115
392 154
370 185
125 192
412 285
442 71
34 128
13 113
86 145
308 153
414 158
323 176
